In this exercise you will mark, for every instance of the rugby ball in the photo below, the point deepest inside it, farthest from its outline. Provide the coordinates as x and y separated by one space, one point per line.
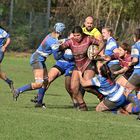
91 51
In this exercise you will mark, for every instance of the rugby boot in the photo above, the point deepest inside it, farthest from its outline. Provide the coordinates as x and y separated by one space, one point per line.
34 100
83 107
11 85
15 94
40 105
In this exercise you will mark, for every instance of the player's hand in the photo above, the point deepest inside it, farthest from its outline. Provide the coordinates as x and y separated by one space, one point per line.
3 49
106 58
116 72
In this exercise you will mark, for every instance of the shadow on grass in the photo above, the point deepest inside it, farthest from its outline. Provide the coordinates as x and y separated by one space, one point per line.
50 106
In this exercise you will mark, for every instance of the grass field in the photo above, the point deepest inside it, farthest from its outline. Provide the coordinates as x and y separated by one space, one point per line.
21 121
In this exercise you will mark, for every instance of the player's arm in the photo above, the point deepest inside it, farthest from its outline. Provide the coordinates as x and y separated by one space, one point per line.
84 83
121 71
134 61
7 42
65 45
135 55
56 52
91 82
101 45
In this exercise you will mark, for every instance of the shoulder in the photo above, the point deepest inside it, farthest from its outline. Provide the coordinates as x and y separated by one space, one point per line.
3 33
137 44
112 42
95 30
84 29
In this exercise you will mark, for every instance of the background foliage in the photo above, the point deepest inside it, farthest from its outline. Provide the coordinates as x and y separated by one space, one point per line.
30 20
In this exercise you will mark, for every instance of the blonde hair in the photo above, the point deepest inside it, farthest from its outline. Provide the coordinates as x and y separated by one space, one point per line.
109 29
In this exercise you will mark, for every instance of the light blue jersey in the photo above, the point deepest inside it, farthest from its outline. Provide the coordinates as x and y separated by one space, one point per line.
135 53
112 91
111 44
44 49
3 35
66 63
50 45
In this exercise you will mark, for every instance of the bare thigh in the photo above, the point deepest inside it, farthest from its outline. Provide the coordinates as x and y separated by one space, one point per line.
53 74
68 84
101 107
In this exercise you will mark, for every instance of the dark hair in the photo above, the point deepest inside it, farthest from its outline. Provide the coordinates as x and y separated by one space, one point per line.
77 29
3 28
137 34
105 72
126 47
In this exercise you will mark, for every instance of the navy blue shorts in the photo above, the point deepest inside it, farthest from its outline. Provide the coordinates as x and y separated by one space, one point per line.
65 67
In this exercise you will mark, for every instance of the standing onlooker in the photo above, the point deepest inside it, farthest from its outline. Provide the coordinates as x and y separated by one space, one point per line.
90 30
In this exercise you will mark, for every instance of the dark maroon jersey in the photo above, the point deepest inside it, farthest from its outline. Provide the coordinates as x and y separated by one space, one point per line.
79 50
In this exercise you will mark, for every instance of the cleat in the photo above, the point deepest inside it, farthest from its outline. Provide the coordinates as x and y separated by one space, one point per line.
40 105
15 94
34 100
82 107
75 105
11 85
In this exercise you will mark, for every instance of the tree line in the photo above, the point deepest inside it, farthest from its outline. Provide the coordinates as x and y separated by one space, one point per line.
28 21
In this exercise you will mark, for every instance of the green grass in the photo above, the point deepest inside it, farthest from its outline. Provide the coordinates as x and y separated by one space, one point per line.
21 121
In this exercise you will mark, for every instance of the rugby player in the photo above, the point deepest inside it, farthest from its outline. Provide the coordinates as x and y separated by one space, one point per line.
4 43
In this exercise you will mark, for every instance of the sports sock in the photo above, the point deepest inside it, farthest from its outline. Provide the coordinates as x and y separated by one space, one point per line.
41 93
136 109
8 81
25 88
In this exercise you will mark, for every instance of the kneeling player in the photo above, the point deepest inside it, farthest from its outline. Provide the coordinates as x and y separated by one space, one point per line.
114 93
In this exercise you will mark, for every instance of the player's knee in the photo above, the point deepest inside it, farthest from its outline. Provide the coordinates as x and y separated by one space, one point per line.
38 83
74 89
45 82
99 108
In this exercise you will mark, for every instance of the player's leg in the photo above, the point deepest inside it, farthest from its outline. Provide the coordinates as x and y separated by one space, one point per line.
107 105
41 91
102 107
38 71
49 77
132 83
75 87
69 67
3 75
7 80
68 88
